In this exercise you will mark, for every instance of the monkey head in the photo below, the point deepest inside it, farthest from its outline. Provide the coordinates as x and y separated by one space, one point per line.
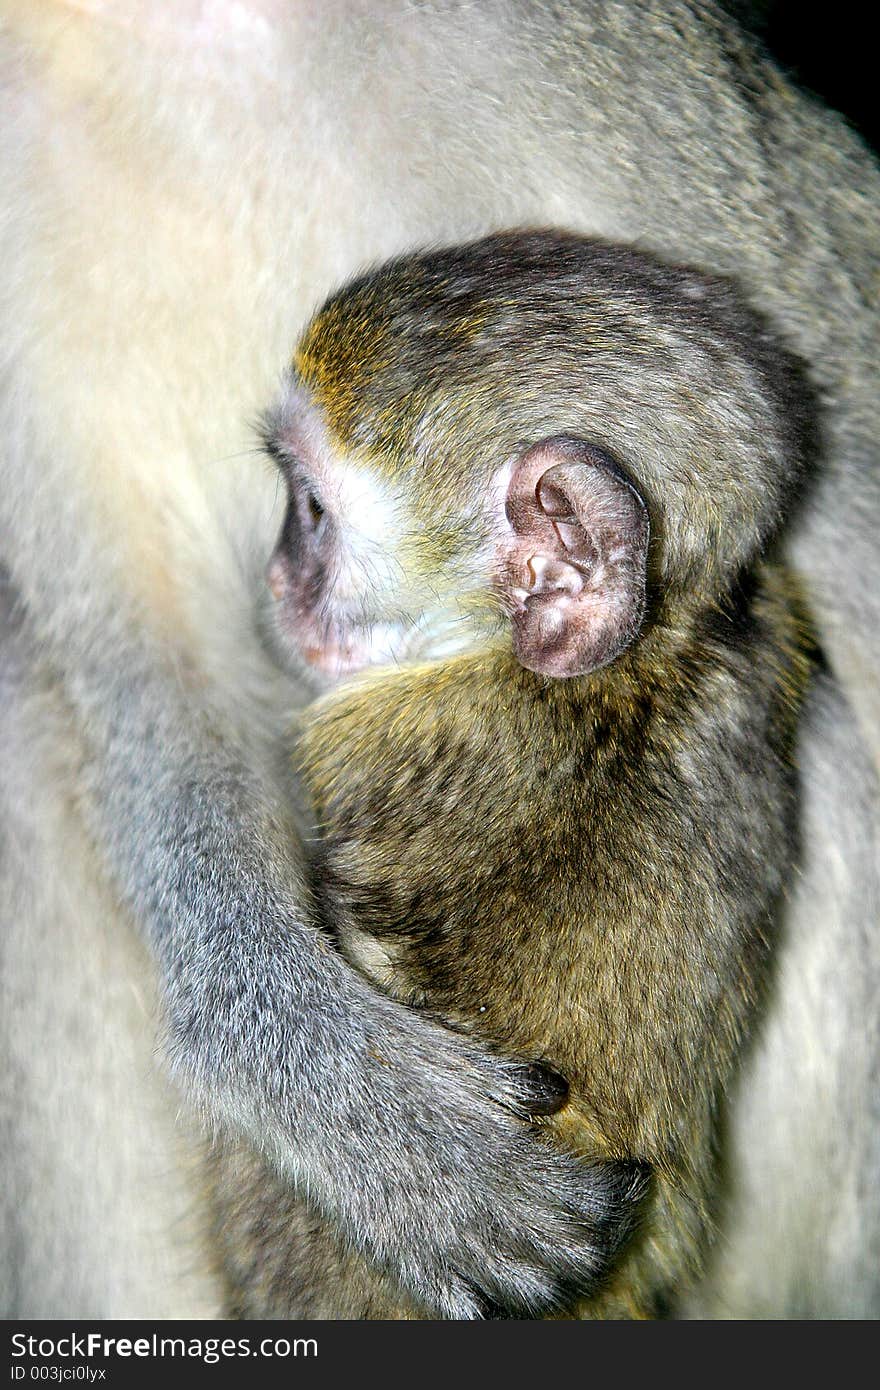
528 434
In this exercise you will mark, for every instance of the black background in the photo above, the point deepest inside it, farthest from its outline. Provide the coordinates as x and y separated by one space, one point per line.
828 48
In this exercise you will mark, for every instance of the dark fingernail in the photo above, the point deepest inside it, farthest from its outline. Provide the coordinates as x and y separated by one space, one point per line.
545 1091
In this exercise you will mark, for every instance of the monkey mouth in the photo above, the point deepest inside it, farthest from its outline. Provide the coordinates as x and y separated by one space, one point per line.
331 644
335 659
336 654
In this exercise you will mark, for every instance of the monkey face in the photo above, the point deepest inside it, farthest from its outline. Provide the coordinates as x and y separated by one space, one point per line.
358 577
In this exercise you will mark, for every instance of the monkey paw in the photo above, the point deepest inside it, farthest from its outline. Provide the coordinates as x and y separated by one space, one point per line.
468 1205
415 1144
557 1243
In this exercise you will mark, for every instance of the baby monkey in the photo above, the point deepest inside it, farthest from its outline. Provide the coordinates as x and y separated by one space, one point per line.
531 481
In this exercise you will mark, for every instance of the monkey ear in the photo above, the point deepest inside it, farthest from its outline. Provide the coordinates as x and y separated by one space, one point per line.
574 559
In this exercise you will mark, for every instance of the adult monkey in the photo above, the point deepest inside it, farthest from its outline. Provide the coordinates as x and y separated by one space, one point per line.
184 186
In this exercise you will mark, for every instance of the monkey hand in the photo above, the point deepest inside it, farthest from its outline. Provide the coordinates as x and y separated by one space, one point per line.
414 1142
487 1219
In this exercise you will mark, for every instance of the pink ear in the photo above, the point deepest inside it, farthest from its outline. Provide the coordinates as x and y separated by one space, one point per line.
574 558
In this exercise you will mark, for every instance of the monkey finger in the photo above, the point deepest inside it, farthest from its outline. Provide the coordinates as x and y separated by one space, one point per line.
543 1090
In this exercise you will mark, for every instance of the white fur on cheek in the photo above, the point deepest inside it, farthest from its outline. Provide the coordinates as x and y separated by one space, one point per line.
372 520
